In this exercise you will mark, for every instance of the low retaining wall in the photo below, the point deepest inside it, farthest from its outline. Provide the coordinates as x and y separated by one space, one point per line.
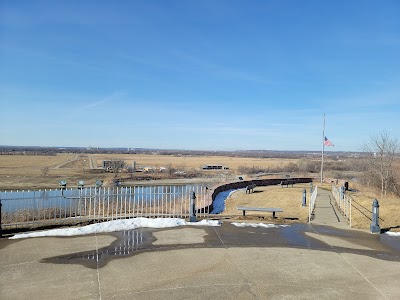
257 182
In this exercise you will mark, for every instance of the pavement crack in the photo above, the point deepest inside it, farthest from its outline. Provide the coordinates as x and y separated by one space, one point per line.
252 290
349 263
322 237
97 267
219 237
366 279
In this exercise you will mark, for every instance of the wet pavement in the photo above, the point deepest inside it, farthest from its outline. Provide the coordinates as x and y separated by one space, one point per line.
133 242
225 262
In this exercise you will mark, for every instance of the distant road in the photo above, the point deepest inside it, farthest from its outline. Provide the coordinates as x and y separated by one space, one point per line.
69 160
92 162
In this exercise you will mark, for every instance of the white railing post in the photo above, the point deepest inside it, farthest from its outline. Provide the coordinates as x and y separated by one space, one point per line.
350 209
311 204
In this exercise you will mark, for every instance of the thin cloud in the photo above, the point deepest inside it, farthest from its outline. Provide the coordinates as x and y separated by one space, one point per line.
107 99
48 57
94 104
224 71
148 63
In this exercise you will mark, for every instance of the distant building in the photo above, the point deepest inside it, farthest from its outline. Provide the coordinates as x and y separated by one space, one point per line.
214 167
113 164
149 169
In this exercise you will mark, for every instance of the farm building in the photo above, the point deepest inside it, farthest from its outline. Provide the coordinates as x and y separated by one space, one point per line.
112 164
214 167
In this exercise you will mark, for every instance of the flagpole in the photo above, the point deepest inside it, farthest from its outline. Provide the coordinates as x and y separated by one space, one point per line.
323 149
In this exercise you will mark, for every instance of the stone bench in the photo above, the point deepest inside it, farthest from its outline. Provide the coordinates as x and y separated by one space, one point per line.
267 209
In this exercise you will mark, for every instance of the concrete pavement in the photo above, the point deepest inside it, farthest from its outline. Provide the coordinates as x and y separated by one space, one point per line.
325 212
296 262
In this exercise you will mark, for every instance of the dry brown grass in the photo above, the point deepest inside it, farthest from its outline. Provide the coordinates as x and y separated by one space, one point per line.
193 162
362 208
289 199
26 172
30 164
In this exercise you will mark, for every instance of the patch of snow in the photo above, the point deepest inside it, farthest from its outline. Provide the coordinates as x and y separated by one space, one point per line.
219 201
205 223
393 233
258 225
117 225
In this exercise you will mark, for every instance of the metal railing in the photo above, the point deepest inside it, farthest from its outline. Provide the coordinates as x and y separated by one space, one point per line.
311 204
52 207
343 203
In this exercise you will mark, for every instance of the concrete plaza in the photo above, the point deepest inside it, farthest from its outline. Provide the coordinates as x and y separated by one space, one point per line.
300 261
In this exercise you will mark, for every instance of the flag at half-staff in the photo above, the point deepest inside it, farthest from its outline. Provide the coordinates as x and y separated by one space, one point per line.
328 142
325 142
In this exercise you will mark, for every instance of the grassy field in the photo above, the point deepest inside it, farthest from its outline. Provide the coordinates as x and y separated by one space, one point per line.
192 162
36 171
33 172
362 209
289 199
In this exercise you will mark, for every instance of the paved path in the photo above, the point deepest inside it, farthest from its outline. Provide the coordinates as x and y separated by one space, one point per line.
226 262
325 212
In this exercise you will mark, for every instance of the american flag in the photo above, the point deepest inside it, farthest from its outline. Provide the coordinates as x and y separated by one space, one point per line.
327 142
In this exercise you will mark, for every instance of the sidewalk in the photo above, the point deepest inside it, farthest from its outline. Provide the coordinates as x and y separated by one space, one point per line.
325 212
225 262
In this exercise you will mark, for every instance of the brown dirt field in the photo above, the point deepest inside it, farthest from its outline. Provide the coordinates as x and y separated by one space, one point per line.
289 199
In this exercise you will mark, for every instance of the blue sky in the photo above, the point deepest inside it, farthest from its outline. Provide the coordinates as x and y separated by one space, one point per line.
207 75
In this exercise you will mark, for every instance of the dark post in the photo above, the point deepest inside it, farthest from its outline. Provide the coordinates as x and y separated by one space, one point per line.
304 198
192 216
1 230
342 192
311 187
375 228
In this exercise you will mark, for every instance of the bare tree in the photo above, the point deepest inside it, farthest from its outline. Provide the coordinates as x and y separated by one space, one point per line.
381 151
115 166
44 171
170 170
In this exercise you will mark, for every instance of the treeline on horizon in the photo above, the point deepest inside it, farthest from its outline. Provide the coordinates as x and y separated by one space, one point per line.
306 166
36 150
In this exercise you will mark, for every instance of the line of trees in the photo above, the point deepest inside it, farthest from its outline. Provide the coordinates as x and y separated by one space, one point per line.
305 166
